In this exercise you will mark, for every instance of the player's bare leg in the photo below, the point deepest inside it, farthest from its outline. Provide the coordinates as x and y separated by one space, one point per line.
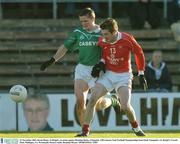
124 94
103 103
97 92
81 88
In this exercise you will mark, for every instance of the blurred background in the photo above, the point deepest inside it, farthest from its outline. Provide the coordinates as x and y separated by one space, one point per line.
32 30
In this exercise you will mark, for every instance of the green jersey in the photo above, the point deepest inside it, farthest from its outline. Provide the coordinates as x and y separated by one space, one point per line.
87 44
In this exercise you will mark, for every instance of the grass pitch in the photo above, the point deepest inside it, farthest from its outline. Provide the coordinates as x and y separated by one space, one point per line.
130 134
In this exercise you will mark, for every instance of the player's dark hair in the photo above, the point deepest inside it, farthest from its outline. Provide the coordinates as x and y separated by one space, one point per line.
109 24
87 12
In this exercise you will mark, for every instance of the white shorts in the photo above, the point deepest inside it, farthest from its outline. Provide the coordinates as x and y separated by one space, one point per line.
111 80
83 72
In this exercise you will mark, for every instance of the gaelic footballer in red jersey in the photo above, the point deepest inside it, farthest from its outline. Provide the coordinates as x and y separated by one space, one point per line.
116 63
117 54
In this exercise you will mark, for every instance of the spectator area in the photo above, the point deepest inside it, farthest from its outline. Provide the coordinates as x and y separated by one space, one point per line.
25 44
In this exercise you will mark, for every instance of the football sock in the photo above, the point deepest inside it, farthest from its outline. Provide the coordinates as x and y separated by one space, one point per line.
85 128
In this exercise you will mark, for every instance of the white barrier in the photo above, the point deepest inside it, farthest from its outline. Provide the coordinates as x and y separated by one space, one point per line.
155 111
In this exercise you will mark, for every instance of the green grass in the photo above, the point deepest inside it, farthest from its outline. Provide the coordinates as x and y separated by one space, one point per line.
169 134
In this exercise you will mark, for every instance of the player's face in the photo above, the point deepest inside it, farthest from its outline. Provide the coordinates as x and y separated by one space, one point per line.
108 36
36 113
86 22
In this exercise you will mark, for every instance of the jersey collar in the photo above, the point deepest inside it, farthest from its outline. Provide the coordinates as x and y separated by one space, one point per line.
97 30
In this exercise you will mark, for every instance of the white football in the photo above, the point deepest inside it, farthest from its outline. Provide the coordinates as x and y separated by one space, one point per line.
18 93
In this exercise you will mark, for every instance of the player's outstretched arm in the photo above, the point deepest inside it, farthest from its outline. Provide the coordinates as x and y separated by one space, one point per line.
59 54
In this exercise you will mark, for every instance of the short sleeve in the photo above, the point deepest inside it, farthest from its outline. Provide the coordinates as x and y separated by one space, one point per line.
70 41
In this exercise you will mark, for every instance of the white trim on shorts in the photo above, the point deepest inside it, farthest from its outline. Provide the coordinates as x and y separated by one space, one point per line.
83 72
111 80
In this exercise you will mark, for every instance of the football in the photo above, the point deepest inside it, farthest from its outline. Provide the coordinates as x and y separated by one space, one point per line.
18 93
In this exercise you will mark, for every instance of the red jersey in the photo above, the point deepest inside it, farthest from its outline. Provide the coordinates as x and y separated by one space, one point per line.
117 55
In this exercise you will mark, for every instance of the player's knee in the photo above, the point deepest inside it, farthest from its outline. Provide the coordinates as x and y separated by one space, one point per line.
79 98
101 104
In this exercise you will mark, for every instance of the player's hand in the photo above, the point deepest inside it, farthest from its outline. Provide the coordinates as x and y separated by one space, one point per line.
143 82
97 69
46 64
